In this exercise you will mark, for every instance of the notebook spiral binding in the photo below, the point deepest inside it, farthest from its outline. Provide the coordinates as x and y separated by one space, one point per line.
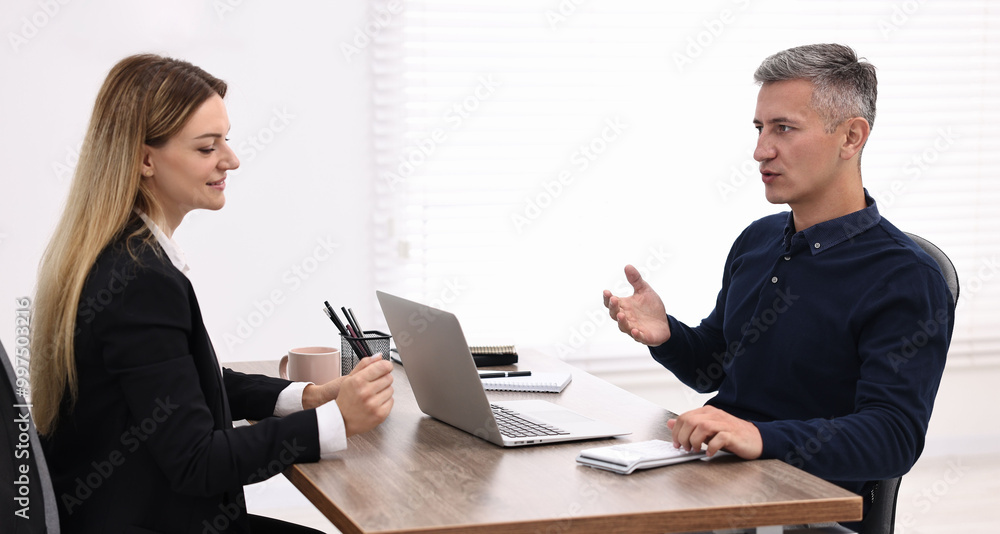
491 355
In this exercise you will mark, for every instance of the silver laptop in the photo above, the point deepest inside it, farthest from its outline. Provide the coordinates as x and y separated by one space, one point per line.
447 387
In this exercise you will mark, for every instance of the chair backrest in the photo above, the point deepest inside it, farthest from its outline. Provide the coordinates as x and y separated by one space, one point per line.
943 261
881 516
26 495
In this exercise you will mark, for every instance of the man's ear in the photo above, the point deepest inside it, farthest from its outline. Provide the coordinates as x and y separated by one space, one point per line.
855 137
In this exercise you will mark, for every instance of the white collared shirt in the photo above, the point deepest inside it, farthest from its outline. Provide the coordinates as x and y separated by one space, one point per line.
329 420
173 250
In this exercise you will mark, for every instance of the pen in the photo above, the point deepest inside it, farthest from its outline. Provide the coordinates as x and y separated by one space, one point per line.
333 317
356 342
336 321
329 309
350 320
503 374
343 331
350 330
354 319
358 331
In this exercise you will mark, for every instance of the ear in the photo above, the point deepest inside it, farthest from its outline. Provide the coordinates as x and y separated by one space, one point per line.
147 169
855 136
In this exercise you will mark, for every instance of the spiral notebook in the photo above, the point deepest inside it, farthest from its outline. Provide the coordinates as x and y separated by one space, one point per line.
492 350
490 355
537 382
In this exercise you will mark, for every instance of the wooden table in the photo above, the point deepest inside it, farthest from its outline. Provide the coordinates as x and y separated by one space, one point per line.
416 474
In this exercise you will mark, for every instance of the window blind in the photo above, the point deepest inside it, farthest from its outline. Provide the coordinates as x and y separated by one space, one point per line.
526 151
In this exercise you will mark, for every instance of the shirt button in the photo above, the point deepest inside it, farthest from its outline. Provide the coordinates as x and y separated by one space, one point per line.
774 279
816 245
787 258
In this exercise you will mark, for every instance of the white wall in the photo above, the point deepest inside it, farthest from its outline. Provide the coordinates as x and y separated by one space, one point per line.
301 123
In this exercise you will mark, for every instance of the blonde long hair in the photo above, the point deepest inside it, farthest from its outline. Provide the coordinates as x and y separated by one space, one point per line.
145 100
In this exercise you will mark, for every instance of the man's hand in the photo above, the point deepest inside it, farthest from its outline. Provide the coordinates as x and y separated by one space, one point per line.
718 430
642 315
365 396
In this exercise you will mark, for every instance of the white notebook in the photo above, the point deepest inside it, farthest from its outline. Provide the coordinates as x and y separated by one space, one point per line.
537 382
623 459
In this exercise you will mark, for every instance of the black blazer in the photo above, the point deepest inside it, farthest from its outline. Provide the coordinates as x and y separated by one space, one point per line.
149 445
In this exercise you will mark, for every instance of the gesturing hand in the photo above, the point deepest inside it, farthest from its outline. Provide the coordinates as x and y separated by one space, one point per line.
642 315
717 430
365 396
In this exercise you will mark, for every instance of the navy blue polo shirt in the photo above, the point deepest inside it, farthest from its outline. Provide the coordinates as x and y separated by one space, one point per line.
832 341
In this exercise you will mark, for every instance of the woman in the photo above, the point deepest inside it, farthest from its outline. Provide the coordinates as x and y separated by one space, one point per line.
135 414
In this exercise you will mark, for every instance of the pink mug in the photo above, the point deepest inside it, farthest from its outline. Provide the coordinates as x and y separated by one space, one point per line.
310 364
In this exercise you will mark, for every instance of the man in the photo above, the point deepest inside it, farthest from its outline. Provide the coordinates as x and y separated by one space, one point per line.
829 335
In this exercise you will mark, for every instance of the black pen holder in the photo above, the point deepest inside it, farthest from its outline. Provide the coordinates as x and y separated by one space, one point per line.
374 342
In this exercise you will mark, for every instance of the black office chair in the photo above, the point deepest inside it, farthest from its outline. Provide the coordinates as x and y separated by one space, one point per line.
26 508
881 516
943 261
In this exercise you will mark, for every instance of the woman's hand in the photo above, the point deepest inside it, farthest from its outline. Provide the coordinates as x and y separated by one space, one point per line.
365 396
315 395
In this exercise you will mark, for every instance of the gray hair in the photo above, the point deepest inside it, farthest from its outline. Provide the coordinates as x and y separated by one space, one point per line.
844 87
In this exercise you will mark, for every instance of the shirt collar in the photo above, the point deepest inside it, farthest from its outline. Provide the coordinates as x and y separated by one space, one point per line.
173 251
828 234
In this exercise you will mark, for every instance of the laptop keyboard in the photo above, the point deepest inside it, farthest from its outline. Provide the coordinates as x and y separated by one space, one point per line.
512 424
